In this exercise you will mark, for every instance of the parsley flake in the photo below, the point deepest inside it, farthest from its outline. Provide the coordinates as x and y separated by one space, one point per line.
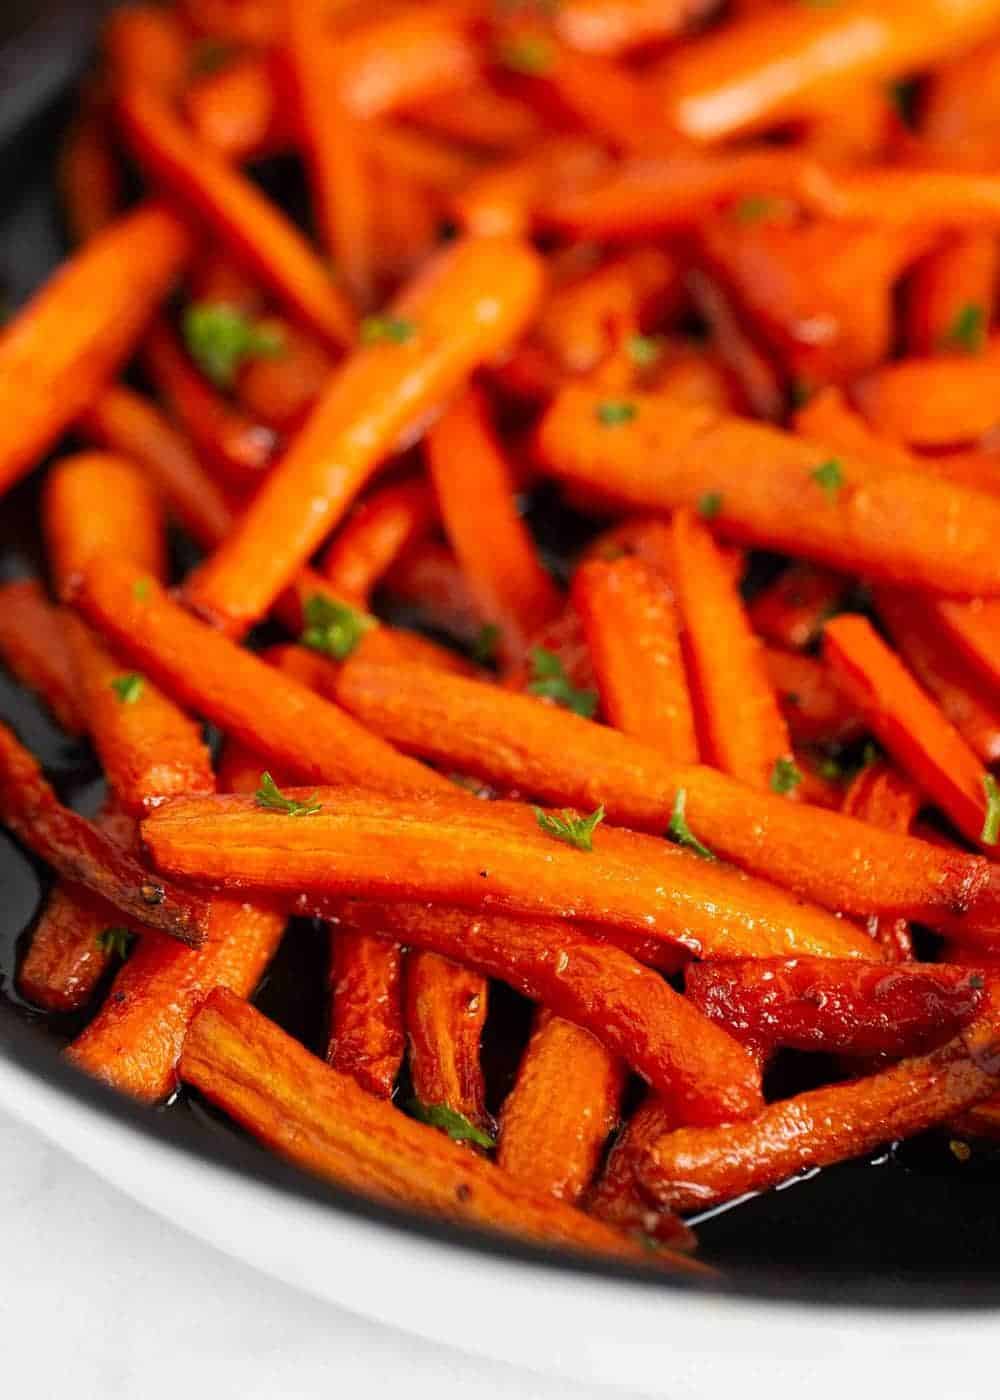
529 54
450 1121
141 590
575 831
754 208
830 476
220 337
379 330
612 412
484 648
990 833
333 628
710 504
967 331
550 681
272 799
785 776
115 940
128 688
644 350
679 831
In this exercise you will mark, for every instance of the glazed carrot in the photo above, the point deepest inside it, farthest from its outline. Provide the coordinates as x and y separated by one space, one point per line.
951 294
147 45
518 742
437 847
791 611
342 195
401 153
205 672
616 1198
65 346
941 670
123 422
366 1038
230 443
377 531
933 401
899 197
381 390
323 1122
749 75
814 708
881 795
445 1008
972 630
69 951
236 212
957 110
89 176
633 634
616 26
694 1168
82 853
475 494
33 648
253 22
740 722
855 132
235 110
95 505
556 1120
909 724
280 390
428 579
777 491
759 387
501 201
492 120
574 975
414 52
828 418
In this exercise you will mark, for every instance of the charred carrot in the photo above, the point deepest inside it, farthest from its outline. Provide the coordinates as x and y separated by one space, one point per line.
366 1038
33 648
378 530
792 610
419 352
951 294
445 1008
776 490
66 345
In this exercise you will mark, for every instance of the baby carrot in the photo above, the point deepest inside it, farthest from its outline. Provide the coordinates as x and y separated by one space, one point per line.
236 110
280 390
375 534
366 1038
616 1198
791 611
90 179
814 708
933 401
417 51
445 1008
33 648
436 332
617 26
951 293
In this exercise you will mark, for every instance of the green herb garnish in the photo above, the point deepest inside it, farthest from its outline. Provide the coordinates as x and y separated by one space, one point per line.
644 350
529 54
220 337
754 208
141 590
115 940
333 628
128 688
710 504
380 330
575 831
830 476
550 681
967 331
611 412
679 831
270 797
450 1121
990 833
785 776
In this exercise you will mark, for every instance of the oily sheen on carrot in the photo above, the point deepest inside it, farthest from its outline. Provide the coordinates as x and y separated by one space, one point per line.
778 491
33 649
467 306
445 1006
366 1038
883 796
815 710
322 1121
66 345
375 534
520 742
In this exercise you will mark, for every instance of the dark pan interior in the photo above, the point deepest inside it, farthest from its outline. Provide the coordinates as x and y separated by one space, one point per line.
916 1227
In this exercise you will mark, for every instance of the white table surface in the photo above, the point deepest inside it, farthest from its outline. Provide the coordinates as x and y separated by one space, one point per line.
102 1300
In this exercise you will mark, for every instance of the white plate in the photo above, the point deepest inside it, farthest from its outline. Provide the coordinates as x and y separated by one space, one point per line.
662 1342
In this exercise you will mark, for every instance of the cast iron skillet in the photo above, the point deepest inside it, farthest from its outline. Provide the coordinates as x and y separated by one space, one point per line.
916 1228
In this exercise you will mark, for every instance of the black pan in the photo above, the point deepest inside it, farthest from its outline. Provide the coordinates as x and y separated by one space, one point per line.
915 1228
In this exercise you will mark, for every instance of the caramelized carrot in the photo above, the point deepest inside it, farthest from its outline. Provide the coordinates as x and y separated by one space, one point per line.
404 56
33 648
742 728
759 387
445 1009
881 795
366 1037
147 44
235 110
378 530
792 610
65 346
617 26
951 294
814 708
384 388
933 401
777 491
909 724
280 390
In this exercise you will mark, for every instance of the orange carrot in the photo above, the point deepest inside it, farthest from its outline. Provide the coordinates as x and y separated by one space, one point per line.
776 490
493 120
33 648
65 346
411 53
428 579
759 387
501 201
437 331
401 153
279 390
445 1008
366 1037
89 176
377 531
933 401
741 725
147 45
814 709
910 725
951 294
882 796
617 26
252 22
633 635
792 610
236 110
828 418
616 1199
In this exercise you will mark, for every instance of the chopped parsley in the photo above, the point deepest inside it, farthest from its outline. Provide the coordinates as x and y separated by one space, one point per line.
220 337
128 688
450 1121
710 504
550 681
754 208
115 941
644 350
530 54
141 590
990 833
333 628
575 831
679 831
381 330
830 476
785 776
967 331
272 799
612 412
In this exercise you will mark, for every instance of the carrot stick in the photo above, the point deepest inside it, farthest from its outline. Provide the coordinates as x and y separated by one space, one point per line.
427 578
616 1198
617 26
280 390
881 795
82 853
694 1168
378 530
518 742
436 847
33 648
633 634
564 1103
384 388
147 45
205 672
125 423
475 494
777 491
933 401
909 724
409 54
89 176
814 709
827 417
366 1011
757 380
791 611
502 200
236 213
749 75
323 1122
236 112
60 351
951 294
445 1009
742 728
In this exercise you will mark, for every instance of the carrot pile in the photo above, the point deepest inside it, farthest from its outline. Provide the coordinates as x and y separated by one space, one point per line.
595 500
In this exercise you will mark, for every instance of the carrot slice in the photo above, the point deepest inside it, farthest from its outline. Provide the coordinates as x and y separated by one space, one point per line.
777 491
65 346
33 648
366 1009
323 1122
792 610
951 294
910 724
378 530
516 741
443 328
445 1008
742 728
364 844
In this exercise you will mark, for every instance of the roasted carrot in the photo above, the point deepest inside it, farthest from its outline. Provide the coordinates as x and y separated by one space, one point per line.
757 381
791 611
147 45
235 110
65 346
741 725
323 1122
366 1038
933 401
33 648
401 153
408 54
881 795
910 725
776 490
502 200
616 1198
279 390
814 708
437 331
90 179
82 853
951 294
694 1167
633 634
617 26
485 117
445 1008
518 742
378 530
360 842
